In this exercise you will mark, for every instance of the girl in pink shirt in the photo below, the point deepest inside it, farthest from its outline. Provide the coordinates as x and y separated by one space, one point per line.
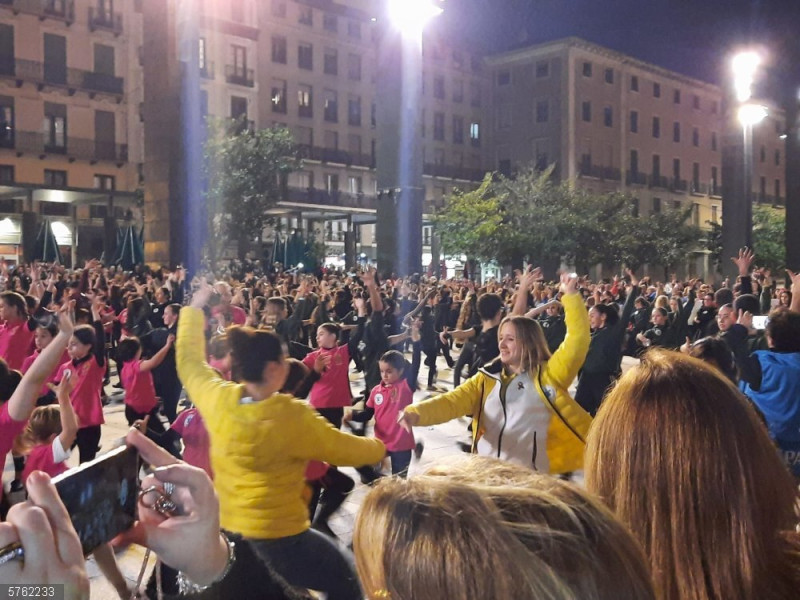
50 433
43 335
385 402
16 339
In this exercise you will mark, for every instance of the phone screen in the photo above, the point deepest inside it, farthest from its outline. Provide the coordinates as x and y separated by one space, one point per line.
760 322
101 496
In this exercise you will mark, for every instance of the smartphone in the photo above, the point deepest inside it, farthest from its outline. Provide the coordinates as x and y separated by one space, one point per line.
760 322
101 496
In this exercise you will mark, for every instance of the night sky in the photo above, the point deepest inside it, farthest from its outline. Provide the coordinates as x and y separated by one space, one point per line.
693 37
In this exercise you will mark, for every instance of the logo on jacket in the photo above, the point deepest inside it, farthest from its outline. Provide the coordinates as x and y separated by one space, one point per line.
549 392
520 385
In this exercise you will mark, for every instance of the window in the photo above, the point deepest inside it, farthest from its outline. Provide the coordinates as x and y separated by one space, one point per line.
330 23
104 61
279 49
714 140
458 130
202 52
475 133
238 107
586 163
331 182
354 67
279 9
330 64
777 158
586 111
609 75
676 97
438 87
695 137
715 214
331 107
354 185
7 177
635 207
634 83
696 102
438 156
656 166
278 96
656 90
762 154
239 61
354 29
474 94
503 77
504 166
354 111
305 56
542 69
304 101
676 132
6 122
458 91
634 162
695 177
608 116
762 189
55 178
438 126
676 169
305 137
458 59
55 127
105 182
656 127
656 206
587 69
777 191
714 186
306 16
634 121
542 111
354 144
504 116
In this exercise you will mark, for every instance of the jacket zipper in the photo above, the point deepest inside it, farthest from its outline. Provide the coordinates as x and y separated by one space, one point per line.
503 388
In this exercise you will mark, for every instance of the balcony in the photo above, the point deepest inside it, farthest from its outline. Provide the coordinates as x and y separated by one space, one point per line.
678 185
61 10
714 189
34 142
332 198
658 181
44 74
449 172
598 172
635 178
207 70
239 76
331 155
698 189
105 20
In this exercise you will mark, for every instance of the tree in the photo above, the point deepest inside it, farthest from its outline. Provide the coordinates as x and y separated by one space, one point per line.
769 237
244 169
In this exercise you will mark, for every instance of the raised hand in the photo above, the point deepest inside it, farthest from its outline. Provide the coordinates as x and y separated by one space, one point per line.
744 261
569 284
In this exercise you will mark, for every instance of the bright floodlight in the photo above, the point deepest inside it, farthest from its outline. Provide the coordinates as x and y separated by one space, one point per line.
299 265
752 114
410 16
744 71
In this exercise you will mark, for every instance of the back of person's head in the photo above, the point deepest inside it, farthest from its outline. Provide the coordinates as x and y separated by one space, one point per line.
128 348
44 422
85 335
297 374
530 336
31 303
480 528
15 300
718 354
277 303
662 302
682 459
748 303
251 350
783 331
489 305
9 380
219 346
610 311
723 296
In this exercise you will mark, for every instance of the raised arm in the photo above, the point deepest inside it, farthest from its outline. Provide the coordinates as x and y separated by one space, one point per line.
69 421
526 280
565 363
158 357
374 294
795 277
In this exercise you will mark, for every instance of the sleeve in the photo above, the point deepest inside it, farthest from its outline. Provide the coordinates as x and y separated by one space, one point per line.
323 442
464 400
746 285
99 344
563 366
203 385
60 454
371 400
627 311
178 426
310 358
748 364
355 338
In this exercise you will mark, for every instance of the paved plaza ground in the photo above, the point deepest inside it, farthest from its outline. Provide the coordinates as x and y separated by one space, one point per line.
440 441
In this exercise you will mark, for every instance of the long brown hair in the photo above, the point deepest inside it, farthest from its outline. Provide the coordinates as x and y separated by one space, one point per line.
531 338
681 458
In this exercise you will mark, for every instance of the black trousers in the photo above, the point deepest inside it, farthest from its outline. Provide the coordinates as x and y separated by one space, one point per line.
87 440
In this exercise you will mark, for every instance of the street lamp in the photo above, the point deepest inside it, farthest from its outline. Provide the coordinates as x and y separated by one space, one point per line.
411 16
749 114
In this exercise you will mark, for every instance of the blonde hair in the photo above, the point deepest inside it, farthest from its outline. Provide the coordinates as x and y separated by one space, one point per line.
681 457
45 421
531 339
482 528
661 302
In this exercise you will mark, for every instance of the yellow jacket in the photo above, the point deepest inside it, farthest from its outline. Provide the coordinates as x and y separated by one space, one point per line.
528 418
259 450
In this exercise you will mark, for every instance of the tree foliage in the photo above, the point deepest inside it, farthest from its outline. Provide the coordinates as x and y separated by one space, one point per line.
769 237
244 168
531 217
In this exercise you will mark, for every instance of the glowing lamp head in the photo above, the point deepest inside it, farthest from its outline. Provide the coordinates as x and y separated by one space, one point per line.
752 114
410 16
744 71
300 265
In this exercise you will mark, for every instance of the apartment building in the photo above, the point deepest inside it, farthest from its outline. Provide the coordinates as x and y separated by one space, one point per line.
611 122
70 141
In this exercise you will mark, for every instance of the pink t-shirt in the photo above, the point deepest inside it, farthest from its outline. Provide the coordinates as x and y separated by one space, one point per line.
88 385
140 393
52 379
16 343
9 429
316 469
189 425
234 315
388 401
41 459
332 390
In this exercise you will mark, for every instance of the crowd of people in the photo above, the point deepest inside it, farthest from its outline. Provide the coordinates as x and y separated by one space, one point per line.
691 458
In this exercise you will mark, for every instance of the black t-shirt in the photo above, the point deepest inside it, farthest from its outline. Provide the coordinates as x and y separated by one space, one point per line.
486 348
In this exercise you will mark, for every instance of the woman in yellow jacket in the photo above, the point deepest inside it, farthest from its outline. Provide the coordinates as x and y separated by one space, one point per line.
261 442
520 407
